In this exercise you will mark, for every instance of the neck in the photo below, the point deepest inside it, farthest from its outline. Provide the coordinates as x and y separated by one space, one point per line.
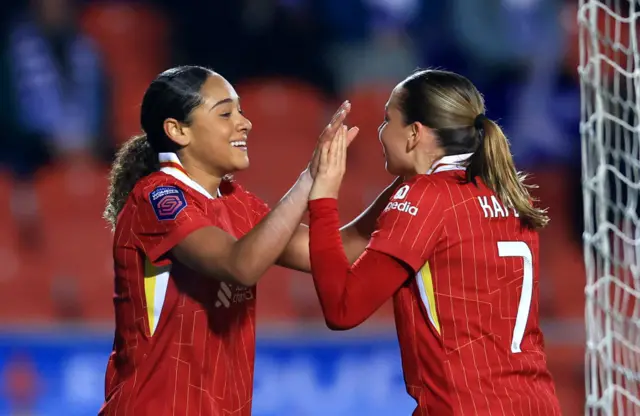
191 173
425 161
211 183
439 163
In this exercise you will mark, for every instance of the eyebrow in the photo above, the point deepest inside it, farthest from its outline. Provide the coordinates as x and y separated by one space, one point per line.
225 101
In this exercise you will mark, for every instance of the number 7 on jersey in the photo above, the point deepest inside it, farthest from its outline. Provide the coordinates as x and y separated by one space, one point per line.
520 249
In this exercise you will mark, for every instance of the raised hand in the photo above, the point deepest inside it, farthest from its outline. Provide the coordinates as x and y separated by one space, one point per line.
331 167
329 132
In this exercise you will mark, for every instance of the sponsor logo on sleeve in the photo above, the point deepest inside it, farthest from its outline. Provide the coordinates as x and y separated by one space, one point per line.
401 193
402 207
167 202
395 203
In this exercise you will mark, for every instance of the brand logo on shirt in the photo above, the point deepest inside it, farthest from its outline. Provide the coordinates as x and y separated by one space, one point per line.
402 207
167 202
229 294
401 193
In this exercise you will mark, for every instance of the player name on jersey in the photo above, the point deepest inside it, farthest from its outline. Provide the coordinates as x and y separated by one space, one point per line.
492 208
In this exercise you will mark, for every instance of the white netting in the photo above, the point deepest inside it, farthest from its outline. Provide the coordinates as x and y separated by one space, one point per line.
610 87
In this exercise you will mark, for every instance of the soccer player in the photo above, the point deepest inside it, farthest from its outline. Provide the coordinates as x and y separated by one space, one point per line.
190 245
457 249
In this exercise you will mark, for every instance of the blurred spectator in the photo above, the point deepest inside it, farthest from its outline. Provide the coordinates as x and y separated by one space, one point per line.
516 46
252 38
380 50
134 43
54 99
66 297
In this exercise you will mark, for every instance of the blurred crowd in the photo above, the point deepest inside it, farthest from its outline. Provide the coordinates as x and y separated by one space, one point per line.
73 72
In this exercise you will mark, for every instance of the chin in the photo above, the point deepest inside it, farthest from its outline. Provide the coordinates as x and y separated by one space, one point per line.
235 166
392 169
242 165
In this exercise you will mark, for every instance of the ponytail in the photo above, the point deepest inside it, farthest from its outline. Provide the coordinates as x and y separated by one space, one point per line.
492 162
135 160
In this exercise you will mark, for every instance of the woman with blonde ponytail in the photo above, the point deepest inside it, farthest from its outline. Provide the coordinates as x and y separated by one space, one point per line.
494 164
456 247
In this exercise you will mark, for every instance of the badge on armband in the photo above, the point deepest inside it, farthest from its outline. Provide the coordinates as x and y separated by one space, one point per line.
167 202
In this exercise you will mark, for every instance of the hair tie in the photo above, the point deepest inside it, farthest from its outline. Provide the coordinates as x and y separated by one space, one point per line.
478 123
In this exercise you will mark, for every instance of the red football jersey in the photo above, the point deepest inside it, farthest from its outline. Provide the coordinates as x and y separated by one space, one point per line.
468 323
184 344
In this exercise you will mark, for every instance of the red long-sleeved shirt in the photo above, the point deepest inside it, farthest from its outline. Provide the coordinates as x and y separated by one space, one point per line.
348 294
463 274
174 326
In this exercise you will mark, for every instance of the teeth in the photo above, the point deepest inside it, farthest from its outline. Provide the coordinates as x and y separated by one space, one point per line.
240 143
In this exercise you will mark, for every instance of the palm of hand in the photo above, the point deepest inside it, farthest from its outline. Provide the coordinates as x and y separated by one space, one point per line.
330 133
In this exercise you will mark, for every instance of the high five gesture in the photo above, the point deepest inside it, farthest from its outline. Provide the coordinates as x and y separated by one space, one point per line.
332 166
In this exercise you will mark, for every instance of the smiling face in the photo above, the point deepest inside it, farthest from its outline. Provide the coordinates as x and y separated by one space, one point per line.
215 138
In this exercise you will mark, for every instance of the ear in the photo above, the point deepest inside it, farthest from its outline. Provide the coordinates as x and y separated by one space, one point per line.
176 131
417 133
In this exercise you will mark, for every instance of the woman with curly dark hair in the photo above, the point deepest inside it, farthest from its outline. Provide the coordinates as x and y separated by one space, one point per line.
190 245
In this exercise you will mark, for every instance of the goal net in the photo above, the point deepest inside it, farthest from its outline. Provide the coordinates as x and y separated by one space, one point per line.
610 125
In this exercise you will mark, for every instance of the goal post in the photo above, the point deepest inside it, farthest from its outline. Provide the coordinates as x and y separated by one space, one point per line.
610 130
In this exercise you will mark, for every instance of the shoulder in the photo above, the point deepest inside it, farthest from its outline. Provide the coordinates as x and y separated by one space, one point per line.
419 189
418 198
166 195
411 222
231 187
448 188
150 184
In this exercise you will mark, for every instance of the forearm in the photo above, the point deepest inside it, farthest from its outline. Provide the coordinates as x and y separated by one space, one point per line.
348 294
259 249
355 235
296 254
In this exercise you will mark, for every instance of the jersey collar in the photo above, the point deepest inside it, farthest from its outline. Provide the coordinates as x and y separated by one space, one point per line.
171 165
452 162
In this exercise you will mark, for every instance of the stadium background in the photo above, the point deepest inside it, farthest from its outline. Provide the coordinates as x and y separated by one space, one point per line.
292 62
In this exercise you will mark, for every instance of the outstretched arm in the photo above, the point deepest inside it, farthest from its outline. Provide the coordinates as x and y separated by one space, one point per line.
348 294
212 252
354 236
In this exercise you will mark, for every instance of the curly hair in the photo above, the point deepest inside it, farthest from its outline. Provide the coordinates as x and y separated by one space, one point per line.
175 93
135 160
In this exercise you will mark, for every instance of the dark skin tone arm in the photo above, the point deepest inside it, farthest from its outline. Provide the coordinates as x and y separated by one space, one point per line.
214 253
355 235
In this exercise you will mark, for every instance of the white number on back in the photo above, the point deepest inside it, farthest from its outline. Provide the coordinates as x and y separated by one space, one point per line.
520 249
